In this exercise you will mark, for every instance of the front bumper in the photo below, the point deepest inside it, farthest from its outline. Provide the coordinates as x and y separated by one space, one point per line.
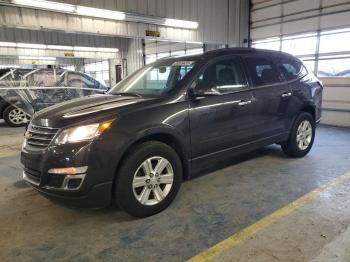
98 196
90 189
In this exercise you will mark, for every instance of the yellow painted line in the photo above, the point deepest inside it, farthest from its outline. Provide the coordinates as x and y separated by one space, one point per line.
253 229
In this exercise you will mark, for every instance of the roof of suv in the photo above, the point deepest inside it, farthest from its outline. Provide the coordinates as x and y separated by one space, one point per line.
239 50
233 50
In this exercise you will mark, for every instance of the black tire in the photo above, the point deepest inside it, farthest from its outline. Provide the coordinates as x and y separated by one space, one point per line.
7 118
290 147
124 192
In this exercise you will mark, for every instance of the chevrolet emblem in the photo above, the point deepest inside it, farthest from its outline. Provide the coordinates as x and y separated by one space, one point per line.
27 135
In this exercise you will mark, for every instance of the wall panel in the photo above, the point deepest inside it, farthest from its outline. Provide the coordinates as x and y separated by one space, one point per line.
213 18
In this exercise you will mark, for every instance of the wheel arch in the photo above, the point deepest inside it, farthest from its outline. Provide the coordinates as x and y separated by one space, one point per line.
3 106
167 136
309 108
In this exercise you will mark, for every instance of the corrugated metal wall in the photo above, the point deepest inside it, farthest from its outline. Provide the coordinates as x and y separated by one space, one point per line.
135 58
59 38
220 21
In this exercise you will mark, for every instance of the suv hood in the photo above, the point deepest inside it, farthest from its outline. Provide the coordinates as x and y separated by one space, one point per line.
82 109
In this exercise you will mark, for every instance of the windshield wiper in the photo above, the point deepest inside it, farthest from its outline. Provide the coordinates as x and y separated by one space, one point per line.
127 94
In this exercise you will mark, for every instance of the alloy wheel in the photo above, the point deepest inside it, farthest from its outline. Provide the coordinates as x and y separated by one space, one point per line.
17 116
304 135
153 180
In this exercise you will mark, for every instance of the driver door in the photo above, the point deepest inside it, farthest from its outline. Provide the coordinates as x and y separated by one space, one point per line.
221 110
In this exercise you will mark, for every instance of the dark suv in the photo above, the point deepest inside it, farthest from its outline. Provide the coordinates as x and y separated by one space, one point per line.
136 144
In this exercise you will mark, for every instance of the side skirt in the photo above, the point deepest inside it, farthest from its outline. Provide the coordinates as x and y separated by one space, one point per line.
214 159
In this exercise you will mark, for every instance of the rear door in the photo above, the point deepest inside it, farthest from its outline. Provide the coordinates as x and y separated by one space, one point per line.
272 96
222 121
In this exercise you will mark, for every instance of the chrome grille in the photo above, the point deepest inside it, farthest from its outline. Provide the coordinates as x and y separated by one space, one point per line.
40 136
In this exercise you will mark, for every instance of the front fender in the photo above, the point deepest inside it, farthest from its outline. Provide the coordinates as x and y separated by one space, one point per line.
157 133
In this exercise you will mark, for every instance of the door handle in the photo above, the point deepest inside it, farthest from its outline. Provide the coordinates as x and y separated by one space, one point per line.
243 102
286 94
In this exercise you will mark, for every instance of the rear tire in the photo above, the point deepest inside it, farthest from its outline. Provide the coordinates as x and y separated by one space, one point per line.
149 179
14 116
301 137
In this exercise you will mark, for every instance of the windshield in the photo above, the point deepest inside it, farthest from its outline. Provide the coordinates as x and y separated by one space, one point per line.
155 79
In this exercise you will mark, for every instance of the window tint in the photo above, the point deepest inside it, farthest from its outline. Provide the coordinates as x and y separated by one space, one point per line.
224 77
262 71
291 68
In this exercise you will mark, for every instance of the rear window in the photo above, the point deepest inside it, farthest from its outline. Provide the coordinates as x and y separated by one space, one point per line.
262 71
291 68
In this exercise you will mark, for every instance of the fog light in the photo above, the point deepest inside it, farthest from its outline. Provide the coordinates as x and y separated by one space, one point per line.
74 183
68 170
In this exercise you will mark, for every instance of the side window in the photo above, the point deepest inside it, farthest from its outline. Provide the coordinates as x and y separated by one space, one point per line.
44 78
95 84
262 71
291 68
225 76
79 81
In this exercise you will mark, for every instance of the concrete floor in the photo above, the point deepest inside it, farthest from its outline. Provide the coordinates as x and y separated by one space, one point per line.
207 210
317 231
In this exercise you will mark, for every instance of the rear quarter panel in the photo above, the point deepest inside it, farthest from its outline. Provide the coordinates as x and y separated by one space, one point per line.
307 92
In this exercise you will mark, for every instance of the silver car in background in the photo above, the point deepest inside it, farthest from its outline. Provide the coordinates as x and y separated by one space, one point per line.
25 91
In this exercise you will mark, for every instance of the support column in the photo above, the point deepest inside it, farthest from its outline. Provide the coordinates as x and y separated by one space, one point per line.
135 55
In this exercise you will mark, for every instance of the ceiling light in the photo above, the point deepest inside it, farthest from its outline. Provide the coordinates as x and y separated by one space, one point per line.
194 42
181 23
60 47
49 5
108 50
36 58
8 44
101 13
85 48
24 45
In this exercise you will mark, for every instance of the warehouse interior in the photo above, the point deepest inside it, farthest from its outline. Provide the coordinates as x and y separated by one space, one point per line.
253 206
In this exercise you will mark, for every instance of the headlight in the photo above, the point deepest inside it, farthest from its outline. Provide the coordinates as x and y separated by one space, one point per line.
82 133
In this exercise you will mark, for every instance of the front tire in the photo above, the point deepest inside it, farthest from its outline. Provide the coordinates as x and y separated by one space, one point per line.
15 117
149 179
302 136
